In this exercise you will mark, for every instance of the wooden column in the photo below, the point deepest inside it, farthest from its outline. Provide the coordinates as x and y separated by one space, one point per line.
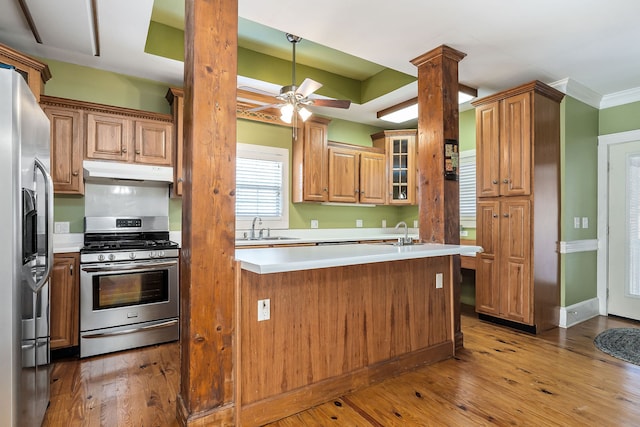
208 221
438 198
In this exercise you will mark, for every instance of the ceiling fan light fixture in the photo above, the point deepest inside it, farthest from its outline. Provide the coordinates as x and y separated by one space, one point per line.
286 113
304 113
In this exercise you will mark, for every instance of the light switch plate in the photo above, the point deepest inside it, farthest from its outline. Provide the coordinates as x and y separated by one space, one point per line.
314 223
415 224
438 280
585 222
358 223
576 222
384 223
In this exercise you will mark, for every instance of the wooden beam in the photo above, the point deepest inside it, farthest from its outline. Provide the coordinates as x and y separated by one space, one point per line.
438 198
208 221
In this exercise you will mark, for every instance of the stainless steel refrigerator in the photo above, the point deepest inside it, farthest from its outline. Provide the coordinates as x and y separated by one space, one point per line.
26 255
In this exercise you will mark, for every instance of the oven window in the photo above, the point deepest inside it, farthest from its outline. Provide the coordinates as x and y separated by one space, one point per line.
122 290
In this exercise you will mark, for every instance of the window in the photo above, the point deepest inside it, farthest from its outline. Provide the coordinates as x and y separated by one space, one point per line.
262 182
467 182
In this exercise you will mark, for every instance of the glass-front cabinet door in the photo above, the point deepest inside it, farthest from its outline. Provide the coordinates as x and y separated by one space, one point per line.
400 146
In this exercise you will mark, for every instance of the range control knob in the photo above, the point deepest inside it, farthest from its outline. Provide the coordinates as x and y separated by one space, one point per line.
132 255
160 253
152 254
112 257
100 257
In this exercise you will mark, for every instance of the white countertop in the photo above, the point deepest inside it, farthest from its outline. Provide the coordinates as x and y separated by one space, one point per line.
278 260
67 242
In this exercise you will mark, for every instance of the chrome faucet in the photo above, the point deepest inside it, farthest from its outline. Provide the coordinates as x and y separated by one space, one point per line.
406 240
252 236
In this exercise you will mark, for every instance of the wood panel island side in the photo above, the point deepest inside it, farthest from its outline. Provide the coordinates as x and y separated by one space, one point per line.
341 317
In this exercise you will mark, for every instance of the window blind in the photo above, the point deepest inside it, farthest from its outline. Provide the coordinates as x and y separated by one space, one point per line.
467 186
258 188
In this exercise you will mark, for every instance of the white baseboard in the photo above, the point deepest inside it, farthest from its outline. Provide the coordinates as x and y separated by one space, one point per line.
577 313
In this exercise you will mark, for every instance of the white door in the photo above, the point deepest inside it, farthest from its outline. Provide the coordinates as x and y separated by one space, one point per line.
624 230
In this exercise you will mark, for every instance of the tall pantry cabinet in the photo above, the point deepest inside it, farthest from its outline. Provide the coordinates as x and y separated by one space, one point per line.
518 206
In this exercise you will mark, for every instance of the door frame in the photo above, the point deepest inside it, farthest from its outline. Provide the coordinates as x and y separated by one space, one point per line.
604 143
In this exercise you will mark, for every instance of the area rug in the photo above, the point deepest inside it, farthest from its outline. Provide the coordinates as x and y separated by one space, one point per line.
622 343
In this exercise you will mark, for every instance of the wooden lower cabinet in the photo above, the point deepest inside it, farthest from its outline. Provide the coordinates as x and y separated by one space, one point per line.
64 289
504 284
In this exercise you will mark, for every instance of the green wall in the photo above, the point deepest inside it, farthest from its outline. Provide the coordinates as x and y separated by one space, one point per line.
619 119
579 191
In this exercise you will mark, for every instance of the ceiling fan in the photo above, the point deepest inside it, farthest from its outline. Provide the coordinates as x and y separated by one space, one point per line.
293 100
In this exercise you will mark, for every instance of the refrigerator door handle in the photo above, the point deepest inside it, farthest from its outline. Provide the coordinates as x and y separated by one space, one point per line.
48 200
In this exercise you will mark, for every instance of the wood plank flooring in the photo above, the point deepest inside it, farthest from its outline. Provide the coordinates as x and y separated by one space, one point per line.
501 377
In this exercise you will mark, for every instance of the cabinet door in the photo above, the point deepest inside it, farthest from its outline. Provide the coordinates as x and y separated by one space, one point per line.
64 305
515 142
487 150
402 170
515 248
487 262
153 142
108 137
176 99
66 149
343 175
314 162
372 178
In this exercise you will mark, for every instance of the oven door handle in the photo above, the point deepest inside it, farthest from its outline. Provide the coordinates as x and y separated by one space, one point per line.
166 324
130 268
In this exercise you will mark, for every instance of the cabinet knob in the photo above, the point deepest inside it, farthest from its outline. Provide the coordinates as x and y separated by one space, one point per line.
495 181
506 181
75 173
325 189
506 215
137 151
362 192
180 180
495 215
124 150
357 191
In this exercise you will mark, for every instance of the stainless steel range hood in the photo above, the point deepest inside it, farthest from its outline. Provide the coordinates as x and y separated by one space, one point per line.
95 170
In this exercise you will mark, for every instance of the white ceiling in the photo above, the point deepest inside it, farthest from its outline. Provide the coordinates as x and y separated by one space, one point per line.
595 44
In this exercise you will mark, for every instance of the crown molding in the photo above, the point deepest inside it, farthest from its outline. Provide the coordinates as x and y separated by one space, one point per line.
620 98
578 91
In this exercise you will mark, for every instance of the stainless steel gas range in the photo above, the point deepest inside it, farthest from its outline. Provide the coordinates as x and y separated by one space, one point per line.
129 293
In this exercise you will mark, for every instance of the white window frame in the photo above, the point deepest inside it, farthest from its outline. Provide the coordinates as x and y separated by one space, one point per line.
466 157
263 152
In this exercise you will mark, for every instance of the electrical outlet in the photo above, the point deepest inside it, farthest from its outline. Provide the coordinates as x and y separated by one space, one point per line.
358 223
264 309
585 222
384 223
438 280
314 223
464 233
415 224
576 222
61 227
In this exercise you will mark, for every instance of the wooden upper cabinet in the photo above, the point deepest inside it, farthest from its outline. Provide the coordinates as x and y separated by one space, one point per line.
121 138
153 142
66 148
401 171
310 162
488 150
108 137
344 175
356 175
515 142
175 97
503 146
35 73
372 178
65 305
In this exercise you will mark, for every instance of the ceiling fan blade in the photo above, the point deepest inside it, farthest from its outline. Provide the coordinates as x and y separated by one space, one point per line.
263 107
307 87
335 103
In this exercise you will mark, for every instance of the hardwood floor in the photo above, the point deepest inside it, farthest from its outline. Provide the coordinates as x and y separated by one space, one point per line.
501 377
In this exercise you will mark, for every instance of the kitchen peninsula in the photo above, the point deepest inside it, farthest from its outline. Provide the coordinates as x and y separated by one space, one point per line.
337 318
